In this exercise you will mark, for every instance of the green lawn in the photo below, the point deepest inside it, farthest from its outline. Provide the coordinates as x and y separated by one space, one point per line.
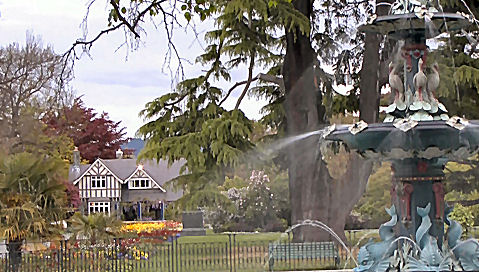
221 237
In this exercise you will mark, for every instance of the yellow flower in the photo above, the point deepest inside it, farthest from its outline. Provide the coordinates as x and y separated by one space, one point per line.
149 227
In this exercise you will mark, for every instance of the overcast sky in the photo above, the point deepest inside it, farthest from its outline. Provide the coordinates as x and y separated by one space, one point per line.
107 81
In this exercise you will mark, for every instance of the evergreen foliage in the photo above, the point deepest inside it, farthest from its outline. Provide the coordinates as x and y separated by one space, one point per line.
32 196
191 123
458 56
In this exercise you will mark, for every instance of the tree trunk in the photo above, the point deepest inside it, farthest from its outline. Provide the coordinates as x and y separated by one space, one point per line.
308 177
313 193
14 255
369 93
369 89
347 191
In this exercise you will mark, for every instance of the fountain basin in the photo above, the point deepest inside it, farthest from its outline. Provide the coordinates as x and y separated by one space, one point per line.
402 26
428 140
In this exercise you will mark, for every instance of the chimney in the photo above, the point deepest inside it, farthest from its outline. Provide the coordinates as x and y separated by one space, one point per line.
76 162
119 153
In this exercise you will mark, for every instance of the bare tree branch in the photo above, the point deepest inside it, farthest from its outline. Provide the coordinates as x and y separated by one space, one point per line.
123 20
272 79
265 77
30 76
248 82
237 84
131 25
171 45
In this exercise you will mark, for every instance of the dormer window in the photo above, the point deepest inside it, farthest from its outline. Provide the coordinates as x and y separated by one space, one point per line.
140 183
98 182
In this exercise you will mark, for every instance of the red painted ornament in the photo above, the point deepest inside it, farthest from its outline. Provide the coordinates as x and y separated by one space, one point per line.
422 167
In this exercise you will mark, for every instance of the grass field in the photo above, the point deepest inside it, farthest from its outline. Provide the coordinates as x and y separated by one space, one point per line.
223 237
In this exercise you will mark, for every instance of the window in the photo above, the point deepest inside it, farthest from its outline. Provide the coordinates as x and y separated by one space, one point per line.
98 182
140 184
96 207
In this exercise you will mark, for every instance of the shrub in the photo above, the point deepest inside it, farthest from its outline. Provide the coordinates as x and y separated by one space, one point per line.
464 216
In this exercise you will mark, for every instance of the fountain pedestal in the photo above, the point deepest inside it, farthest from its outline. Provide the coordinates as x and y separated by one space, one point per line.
416 183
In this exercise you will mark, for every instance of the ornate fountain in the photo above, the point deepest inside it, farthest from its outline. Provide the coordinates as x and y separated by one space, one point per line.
419 138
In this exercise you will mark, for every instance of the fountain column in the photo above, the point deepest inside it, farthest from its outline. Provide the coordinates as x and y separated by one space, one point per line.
416 183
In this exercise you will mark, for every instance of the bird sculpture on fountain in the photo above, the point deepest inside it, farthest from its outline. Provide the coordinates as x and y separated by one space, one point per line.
432 86
420 86
397 87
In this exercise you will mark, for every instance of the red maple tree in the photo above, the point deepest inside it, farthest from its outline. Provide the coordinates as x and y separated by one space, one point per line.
73 194
95 135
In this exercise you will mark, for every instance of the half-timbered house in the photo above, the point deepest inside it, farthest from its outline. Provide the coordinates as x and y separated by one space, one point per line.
125 187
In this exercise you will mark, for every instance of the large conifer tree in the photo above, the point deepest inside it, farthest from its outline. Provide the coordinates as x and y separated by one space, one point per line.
290 40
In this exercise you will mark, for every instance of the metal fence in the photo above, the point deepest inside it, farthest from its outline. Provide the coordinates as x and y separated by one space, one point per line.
232 254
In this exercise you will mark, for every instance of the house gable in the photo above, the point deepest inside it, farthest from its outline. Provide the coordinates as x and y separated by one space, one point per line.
141 173
97 168
98 184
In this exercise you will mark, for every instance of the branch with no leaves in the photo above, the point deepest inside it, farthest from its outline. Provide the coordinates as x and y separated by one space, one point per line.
124 21
131 25
264 77
271 79
248 82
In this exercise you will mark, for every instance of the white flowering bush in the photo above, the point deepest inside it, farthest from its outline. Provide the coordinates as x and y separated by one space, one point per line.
251 208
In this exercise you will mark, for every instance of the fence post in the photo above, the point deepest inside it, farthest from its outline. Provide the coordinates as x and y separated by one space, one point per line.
176 253
114 255
231 265
172 255
59 257
122 254
234 252
289 249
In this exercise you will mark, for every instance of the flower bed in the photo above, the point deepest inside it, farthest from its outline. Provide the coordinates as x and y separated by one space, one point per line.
160 229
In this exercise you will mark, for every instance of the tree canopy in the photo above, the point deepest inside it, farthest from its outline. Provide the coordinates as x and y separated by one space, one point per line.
31 76
96 136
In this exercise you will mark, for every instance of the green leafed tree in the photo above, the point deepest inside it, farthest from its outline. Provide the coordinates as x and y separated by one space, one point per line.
457 57
371 206
32 76
191 122
33 82
33 199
